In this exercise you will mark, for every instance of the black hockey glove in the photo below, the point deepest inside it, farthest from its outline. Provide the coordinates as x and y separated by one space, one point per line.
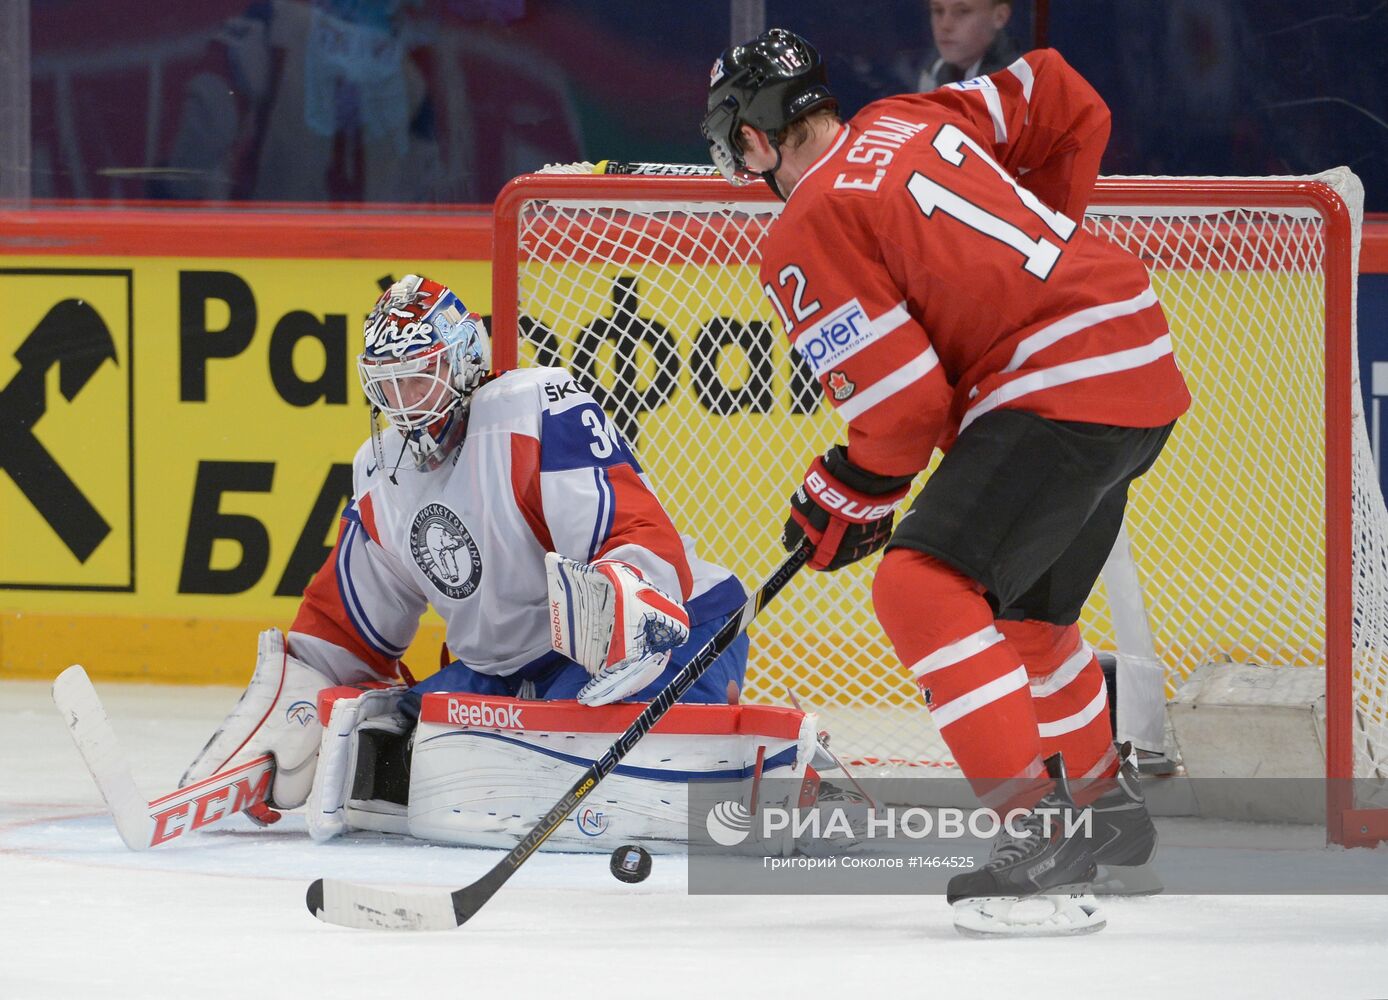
846 512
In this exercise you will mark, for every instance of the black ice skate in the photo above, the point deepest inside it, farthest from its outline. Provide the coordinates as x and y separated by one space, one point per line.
1124 839
1037 882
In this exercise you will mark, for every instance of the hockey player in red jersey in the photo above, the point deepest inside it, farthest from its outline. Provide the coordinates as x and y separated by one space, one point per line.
931 268
510 504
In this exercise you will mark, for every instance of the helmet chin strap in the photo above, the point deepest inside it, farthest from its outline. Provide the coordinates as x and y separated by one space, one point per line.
396 467
770 175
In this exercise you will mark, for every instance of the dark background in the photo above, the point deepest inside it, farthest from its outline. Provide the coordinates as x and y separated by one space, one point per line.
1196 86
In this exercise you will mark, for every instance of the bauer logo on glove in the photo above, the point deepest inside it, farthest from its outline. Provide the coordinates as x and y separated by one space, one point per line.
849 508
844 511
610 619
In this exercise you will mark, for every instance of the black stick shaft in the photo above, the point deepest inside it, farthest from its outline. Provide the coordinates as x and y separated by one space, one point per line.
469 900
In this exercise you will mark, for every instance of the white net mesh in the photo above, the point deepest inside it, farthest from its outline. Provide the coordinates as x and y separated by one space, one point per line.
655 305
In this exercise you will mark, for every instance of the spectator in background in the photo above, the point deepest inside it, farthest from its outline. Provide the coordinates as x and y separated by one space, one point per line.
308 101
969 40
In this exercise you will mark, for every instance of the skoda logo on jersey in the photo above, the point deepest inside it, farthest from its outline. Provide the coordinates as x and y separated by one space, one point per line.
445 552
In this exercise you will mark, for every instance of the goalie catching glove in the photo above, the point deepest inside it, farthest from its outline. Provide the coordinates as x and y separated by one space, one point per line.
846 512
616 624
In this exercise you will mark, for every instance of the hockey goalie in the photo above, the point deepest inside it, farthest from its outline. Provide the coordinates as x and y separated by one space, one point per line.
510 504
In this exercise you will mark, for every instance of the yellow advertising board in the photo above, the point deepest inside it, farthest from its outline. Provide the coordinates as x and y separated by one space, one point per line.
178 437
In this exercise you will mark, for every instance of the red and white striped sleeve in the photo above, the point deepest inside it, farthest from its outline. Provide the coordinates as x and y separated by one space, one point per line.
851 325
360 612
1048 125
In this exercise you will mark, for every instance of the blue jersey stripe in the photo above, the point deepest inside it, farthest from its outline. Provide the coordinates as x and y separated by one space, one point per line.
581 437
611 507
356 612
602 519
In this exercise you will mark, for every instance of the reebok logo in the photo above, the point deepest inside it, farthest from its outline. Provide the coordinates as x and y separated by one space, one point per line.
556 625
463 713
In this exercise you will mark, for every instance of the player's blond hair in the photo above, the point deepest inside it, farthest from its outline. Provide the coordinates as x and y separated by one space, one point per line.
797 132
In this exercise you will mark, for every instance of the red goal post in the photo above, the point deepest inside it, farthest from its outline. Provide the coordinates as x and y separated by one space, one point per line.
1260 537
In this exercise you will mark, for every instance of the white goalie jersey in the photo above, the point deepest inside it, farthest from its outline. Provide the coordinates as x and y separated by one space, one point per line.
540 469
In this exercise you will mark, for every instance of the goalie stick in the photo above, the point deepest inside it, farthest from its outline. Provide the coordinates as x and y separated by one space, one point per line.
349 904
144 824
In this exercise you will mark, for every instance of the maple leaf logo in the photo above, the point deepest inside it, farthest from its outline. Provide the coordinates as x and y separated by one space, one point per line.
840 386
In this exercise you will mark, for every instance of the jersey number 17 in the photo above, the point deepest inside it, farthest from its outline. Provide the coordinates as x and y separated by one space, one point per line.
1040 255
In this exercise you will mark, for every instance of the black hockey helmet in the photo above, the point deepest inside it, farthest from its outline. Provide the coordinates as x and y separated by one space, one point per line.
766 83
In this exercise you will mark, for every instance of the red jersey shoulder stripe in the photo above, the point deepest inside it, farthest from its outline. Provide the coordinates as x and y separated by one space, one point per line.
525 485
366 512
639 519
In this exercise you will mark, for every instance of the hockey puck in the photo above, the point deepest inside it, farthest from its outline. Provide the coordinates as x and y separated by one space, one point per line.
631 863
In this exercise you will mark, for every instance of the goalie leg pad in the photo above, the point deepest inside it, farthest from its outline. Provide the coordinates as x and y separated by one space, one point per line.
485 770
363 773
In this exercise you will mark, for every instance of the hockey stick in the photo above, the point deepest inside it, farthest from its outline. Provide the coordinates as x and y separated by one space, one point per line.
349 904
143 824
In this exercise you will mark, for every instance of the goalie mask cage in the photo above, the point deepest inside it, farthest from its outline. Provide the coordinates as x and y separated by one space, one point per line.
1259 537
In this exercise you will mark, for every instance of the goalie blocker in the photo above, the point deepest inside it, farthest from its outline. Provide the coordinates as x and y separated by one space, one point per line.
481 770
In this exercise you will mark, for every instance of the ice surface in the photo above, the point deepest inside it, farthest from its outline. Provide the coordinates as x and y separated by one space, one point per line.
221 914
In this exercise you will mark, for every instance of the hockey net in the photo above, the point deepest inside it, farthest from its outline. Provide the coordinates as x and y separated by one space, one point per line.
1259 537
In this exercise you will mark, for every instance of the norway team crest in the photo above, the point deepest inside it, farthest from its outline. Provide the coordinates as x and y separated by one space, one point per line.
445 552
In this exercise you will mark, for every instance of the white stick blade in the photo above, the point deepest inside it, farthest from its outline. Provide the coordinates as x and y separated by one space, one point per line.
96 741
350 905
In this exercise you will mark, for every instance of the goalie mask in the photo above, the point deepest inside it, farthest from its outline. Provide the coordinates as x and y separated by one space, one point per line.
766 83
425 354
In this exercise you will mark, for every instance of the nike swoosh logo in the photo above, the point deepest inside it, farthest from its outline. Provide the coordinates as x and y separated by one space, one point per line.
371 470
1114 834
